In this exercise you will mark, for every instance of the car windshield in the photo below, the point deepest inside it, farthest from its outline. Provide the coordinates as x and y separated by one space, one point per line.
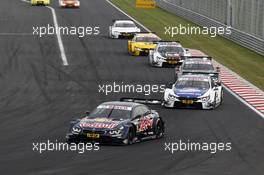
125 25
164 49
147 39
192 84
112 112
198 66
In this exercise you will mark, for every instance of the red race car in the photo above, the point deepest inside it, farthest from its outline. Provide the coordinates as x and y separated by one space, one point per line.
69 3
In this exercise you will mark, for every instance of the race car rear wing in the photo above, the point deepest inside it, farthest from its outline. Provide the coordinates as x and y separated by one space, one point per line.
201 73
121 20
143 101
164 41
199 57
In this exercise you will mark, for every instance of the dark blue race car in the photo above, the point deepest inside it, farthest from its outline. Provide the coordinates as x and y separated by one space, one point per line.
117 123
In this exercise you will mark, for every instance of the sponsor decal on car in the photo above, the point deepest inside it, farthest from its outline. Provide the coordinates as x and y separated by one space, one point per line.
99 125
145 124
115 107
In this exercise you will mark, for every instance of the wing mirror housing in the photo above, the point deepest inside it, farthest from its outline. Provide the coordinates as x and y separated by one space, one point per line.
169 85
218 69
87 113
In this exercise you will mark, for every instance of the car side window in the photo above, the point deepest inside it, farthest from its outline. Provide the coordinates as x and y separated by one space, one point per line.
136 112
144 109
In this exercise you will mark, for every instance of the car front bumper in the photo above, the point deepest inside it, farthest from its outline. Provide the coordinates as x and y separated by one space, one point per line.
123 34
103 139
199 104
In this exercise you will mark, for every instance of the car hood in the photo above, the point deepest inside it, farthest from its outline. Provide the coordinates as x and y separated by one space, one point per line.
145 45
190 92
170 54
201 71
69 2
100 123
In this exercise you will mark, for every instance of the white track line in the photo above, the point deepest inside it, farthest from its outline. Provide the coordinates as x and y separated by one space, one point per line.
16 34
60 43
230 91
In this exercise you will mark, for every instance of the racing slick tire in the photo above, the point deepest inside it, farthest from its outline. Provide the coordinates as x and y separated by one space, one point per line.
160 130
151 61
222 97
214 103
130 137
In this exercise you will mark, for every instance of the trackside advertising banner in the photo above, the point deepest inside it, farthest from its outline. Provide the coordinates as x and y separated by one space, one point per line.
145 3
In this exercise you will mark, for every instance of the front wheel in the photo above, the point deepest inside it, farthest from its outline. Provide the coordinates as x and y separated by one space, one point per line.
160 130
214 103
150 60
130 137
222 97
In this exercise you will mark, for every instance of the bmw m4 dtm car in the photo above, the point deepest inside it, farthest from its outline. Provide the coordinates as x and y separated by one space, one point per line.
167 54
40 2
123 28
117 123
193 91
199 65
142 43
69 3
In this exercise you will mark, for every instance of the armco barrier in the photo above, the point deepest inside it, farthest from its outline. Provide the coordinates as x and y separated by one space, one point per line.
242 38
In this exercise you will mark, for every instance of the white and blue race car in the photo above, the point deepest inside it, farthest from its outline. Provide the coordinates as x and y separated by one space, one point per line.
193 91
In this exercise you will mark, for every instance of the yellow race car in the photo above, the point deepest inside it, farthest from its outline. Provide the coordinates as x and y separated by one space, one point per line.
40 2
142 43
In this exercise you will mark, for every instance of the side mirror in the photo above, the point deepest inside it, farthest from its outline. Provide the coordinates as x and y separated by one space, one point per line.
218 69
169 86
177 69
147 113
187 50
151 52
218 83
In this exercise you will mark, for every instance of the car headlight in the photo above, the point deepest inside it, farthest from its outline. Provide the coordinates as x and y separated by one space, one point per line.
76 130
117 131
172 97
137 49
160 58
116 32
204 99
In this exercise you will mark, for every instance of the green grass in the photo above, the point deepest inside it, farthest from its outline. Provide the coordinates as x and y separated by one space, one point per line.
241 60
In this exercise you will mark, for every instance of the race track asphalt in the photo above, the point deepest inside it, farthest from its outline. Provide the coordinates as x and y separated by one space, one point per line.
39 96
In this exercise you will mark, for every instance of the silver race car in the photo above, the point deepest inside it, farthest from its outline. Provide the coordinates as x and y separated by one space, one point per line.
167 54
123 28
199 65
